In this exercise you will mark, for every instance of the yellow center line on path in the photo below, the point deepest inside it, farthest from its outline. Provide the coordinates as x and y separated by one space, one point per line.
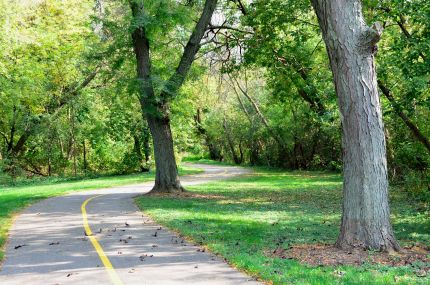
106 262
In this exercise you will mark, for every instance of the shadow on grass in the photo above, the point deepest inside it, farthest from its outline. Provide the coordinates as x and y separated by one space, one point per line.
246 219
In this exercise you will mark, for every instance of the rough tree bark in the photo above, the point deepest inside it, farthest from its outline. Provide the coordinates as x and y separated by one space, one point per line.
166 173
351 46
166 177
156 107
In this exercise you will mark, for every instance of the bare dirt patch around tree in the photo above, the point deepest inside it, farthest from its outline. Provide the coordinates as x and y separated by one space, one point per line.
328 255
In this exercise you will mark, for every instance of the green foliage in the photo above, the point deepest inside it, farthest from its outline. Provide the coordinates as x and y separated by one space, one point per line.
259 93
403 66
50 51
294 137
285 69
274 52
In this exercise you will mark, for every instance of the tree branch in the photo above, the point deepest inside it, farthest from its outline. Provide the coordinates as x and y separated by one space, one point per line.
263 119
371 36
412 127
71 93
241 7
242 105
225 27
192 47
142 49
407 34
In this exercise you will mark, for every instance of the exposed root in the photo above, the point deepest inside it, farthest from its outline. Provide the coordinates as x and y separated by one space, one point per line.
157 189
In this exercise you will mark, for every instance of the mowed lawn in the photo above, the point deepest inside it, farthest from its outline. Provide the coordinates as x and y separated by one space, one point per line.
245 219
13 199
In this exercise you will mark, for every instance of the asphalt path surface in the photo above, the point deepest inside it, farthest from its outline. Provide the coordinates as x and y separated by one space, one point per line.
48 243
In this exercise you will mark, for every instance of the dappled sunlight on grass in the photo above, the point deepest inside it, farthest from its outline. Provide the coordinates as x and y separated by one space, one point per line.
245 219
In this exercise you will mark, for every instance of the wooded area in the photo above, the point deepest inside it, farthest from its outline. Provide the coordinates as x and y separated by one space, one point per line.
114 87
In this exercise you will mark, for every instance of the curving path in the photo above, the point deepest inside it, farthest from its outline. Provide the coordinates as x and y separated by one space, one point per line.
48 244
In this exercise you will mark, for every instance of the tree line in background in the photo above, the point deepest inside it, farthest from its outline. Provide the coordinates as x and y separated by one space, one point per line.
84 86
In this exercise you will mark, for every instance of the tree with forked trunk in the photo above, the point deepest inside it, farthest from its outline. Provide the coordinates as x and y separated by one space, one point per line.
351 46
155 107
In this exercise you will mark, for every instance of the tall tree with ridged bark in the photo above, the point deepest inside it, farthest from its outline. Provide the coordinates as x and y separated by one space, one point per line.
155 105
351 46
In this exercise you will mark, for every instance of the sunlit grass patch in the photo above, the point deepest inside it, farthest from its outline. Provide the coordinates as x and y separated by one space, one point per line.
245 219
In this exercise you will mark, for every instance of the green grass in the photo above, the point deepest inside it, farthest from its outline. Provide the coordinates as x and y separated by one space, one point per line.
13 199
246 218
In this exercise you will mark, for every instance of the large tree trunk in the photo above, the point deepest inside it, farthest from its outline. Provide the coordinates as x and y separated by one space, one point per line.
155 107
351 46
166 175
166 178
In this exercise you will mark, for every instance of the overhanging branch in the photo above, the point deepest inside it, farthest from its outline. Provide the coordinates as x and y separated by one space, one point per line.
192 47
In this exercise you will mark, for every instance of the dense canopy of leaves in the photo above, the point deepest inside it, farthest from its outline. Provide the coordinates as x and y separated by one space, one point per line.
259 92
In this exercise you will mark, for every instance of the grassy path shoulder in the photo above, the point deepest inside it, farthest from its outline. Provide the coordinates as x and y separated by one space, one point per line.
13 199
246 219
